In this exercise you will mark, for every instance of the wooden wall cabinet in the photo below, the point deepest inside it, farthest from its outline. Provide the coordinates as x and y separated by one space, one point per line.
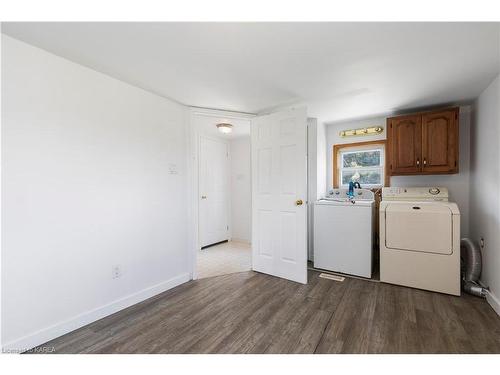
423 143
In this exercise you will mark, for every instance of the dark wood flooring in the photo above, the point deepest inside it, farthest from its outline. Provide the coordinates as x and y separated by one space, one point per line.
250 312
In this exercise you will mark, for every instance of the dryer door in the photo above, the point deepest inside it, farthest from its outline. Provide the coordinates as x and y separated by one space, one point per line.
419 227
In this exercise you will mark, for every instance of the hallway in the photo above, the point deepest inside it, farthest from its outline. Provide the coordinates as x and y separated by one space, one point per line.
224 258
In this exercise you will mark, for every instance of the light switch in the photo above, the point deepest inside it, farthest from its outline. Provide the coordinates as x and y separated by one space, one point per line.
172 169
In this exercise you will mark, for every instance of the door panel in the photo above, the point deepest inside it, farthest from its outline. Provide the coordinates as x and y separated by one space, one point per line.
279 175
265 219
264 170
440 141
405 144
214 191
288 238
288 177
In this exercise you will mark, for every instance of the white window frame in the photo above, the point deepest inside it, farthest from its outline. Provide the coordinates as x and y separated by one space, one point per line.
355 149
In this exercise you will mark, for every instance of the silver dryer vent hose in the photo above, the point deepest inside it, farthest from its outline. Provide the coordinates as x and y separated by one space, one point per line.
471 271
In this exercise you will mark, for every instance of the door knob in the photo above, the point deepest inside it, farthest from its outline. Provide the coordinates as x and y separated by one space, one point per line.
299 202
203 197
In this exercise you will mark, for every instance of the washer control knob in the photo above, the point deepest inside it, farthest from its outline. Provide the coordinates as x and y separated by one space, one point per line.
434 191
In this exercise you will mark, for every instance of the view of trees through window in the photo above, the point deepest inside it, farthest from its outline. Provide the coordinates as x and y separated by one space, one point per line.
361 159
371 177
367 164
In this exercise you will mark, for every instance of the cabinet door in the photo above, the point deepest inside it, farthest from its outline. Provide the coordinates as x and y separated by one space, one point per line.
440 142
405 144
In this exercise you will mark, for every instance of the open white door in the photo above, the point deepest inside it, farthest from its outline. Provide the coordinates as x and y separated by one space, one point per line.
279 191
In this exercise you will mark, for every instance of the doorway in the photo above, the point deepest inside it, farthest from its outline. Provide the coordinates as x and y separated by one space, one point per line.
224 195
214 191
270 191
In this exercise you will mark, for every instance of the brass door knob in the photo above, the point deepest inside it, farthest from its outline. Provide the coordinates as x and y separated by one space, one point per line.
299 202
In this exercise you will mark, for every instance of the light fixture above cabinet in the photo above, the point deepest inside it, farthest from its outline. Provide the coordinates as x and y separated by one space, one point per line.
225 127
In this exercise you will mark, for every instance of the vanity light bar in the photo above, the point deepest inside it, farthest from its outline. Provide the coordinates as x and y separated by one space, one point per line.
362 131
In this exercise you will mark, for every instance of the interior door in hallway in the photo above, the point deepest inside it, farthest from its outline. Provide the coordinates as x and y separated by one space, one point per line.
214 191
279 193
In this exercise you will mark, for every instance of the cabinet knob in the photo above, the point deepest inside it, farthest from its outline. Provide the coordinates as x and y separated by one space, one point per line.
425 162
418 162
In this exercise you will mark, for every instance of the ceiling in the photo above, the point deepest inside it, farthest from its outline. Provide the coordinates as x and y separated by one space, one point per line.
339 70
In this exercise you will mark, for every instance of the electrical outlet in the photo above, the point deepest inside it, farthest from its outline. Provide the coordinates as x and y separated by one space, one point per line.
116 272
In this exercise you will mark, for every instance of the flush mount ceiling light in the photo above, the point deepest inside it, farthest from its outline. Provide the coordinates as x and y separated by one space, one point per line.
224 127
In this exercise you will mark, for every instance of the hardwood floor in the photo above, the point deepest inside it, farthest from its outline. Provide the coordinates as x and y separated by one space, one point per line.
250 312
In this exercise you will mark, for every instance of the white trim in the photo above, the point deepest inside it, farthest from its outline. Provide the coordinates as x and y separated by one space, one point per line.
61 328
241 240
221 113
494 301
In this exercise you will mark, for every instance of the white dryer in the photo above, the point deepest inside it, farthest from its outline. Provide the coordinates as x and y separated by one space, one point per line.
420 239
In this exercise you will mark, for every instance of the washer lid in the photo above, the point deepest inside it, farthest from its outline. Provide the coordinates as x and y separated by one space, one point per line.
419 227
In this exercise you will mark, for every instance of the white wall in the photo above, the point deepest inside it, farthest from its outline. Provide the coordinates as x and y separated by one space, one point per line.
241 189
315 156
85 186
321 166
333 138
316 174
485 184
457 184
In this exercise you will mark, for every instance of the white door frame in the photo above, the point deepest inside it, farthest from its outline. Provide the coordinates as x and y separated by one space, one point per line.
193 176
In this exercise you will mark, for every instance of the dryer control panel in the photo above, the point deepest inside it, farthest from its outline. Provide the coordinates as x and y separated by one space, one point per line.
415 194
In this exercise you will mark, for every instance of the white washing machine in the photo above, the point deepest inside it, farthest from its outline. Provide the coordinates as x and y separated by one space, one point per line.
420 239
343 232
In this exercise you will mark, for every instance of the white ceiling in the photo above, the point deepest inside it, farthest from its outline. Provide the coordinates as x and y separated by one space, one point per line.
339 70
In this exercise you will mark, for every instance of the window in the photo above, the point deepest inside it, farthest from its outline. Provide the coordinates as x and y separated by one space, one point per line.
365 161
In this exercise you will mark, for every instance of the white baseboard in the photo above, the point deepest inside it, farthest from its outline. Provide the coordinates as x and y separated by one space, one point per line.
494 302
241 240
59 329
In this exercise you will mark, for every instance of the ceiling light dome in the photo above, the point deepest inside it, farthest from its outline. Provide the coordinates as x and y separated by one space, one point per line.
225 127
